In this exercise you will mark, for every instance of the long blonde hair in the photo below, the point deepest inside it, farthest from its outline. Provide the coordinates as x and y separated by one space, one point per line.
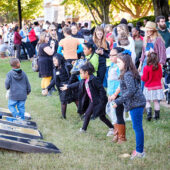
100 43
154 36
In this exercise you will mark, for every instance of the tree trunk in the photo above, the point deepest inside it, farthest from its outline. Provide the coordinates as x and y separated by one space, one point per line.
20 13
106 14
161 7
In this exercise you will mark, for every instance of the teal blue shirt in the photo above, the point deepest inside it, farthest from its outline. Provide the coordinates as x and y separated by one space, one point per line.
113 79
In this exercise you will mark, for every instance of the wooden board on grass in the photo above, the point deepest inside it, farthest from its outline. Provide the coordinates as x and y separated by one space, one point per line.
6 112
20 131
17 122
26 145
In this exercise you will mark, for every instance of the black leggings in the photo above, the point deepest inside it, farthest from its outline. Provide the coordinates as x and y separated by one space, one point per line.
119 114
88 114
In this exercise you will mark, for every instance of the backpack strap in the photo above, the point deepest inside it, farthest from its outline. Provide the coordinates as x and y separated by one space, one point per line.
91 56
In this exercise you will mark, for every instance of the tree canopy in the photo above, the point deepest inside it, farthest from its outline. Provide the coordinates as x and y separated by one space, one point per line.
101 9
30 9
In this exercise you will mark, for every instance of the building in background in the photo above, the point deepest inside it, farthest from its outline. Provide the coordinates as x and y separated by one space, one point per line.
53 11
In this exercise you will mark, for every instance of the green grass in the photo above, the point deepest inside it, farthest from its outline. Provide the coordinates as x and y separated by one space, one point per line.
90 151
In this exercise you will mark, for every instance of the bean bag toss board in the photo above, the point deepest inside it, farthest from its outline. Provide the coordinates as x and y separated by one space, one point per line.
17 122
6 112
26 145
20 131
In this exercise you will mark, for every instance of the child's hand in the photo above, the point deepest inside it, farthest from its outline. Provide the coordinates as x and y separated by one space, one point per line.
113 97
45 92
140 67
114 105
101 51
64 87
73 62
109 98
97 51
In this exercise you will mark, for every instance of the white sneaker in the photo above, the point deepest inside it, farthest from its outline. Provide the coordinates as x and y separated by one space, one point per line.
136 154
110 132
82 130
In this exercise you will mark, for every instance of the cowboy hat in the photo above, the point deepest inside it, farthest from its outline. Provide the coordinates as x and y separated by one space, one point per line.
150 26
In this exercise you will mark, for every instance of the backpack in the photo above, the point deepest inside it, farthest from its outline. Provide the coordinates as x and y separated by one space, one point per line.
35 62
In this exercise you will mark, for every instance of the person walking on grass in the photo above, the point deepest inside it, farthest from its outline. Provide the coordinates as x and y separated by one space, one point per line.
92 97
19 87
152 75
132 98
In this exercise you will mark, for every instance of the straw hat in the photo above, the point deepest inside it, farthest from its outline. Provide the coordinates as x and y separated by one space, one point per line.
150 26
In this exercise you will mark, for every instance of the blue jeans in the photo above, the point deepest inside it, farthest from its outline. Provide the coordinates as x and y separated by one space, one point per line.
137 117
105 78
167 80
20 106
143 65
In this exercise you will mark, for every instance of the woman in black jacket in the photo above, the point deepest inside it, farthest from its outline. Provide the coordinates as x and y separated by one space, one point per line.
102 49
92 97
61 77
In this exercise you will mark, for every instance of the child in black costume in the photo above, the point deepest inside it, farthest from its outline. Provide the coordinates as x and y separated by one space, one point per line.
61 77
92 96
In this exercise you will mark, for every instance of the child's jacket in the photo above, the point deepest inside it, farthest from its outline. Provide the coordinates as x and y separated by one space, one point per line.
131 93
17 82
152 78
98 94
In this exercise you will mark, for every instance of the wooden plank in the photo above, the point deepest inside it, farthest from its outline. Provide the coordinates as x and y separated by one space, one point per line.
20 131
26 145
6 112
18 122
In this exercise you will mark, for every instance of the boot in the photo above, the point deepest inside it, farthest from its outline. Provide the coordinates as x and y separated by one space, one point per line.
121 133
157 114
149 113
115 138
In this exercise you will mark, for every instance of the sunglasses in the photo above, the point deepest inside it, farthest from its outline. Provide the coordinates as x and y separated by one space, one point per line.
53 30
112 55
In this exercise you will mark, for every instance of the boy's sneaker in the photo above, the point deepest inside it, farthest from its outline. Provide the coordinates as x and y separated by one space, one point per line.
136 154
111 132
82 130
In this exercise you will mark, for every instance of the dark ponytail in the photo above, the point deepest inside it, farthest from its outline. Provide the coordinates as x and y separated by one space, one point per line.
88 67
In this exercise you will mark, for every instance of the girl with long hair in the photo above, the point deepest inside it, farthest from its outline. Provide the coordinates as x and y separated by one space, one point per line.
132 98
102 49
152 75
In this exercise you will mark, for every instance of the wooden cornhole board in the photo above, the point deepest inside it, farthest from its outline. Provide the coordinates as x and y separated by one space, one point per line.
26 145
6 112
20 131
16 122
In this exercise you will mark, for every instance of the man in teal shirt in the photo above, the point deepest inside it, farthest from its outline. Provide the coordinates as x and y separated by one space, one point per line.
162 29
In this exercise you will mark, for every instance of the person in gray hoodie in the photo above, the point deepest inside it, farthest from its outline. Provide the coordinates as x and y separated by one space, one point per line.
19 87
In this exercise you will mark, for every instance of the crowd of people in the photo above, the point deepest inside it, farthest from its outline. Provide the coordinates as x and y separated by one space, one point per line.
118 69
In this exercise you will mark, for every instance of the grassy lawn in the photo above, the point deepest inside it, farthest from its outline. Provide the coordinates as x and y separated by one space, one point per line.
89 151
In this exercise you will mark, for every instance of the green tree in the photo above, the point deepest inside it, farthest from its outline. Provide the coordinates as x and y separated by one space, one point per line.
30 9
136 8
102 8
